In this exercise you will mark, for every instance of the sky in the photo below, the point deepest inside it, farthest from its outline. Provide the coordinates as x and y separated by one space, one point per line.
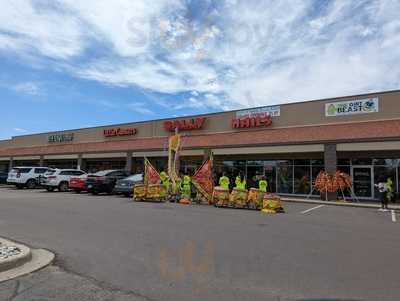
67 64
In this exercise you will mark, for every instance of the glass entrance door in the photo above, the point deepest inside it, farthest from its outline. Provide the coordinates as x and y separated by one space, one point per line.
363 183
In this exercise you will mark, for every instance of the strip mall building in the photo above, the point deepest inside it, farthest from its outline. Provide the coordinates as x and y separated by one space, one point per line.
289 144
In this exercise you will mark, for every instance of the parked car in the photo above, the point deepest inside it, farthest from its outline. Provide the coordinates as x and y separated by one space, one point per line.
78 184
125 186
59 179
3 177
26 176
104 181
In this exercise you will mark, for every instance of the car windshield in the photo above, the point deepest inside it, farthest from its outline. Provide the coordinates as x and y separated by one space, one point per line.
102 173
135 178
50 172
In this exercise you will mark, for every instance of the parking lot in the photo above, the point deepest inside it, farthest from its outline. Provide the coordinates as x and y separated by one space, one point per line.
177 252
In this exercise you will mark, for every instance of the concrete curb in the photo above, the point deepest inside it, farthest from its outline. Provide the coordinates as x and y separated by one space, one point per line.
30 261
16 260
357 205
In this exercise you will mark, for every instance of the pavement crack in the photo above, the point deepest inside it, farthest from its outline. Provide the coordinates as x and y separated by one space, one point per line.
16 289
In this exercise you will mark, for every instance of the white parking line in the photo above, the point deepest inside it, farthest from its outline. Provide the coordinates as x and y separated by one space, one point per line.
393 216
308 210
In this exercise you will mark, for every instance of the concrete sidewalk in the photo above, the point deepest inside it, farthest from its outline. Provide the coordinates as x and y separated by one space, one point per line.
337 203
18 259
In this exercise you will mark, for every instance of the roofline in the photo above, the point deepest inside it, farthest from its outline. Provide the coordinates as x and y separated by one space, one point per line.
207 114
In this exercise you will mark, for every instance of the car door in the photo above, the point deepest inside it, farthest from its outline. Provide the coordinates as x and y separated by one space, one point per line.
115 176
39 173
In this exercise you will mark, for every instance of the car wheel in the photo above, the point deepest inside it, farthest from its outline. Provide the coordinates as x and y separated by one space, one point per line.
63 187
50 189
31 184
127 194
77 191
94 192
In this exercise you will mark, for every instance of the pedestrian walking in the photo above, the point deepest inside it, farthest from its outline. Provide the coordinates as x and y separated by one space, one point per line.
382 192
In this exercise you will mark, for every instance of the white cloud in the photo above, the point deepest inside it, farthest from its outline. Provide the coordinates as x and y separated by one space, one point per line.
29 88
20 130
244 53
140 107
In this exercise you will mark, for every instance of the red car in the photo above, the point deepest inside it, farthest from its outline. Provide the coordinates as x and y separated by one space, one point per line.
78 184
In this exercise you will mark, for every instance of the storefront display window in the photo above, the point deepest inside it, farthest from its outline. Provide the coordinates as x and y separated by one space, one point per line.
302 162
316 169
302 182
363 161
62 164
318 162
106 164
4 166
189 166
285 177
270 175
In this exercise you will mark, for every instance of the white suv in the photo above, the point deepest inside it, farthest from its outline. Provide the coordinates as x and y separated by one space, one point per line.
26 176
59 178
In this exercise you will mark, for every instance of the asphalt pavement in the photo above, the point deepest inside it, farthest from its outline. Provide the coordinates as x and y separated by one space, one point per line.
110 248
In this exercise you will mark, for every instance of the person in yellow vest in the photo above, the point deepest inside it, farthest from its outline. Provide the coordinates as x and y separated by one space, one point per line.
186 187
239 182
389 189
224 181
165 181
263 184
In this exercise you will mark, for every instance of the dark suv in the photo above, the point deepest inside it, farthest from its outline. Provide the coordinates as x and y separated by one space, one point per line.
104 181
3 177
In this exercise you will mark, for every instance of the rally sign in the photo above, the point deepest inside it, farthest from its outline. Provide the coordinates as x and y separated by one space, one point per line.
362 106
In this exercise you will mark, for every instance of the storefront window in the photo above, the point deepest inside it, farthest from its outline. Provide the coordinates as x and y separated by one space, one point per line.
4 166
231 169
190 166
302 182
316 169
159 164
318 162
26 163
270 175
93 166
254 173
344 162
386 162
302 162
285 177
384 172
361 161
62 164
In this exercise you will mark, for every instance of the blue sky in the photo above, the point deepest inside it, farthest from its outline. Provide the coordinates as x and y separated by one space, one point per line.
70 64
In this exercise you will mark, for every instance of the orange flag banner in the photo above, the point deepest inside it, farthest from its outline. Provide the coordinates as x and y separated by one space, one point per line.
151 175
203 179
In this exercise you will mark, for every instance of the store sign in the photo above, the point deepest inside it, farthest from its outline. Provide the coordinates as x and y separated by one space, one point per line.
60 138
185 124
252 122
362 106
273 111
119 132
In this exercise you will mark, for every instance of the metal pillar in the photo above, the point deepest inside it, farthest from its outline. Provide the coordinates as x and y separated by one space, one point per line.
128 166
80 162
330 156
11 164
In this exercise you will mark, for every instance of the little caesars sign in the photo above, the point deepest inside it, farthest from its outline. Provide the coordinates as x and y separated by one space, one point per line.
362 106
